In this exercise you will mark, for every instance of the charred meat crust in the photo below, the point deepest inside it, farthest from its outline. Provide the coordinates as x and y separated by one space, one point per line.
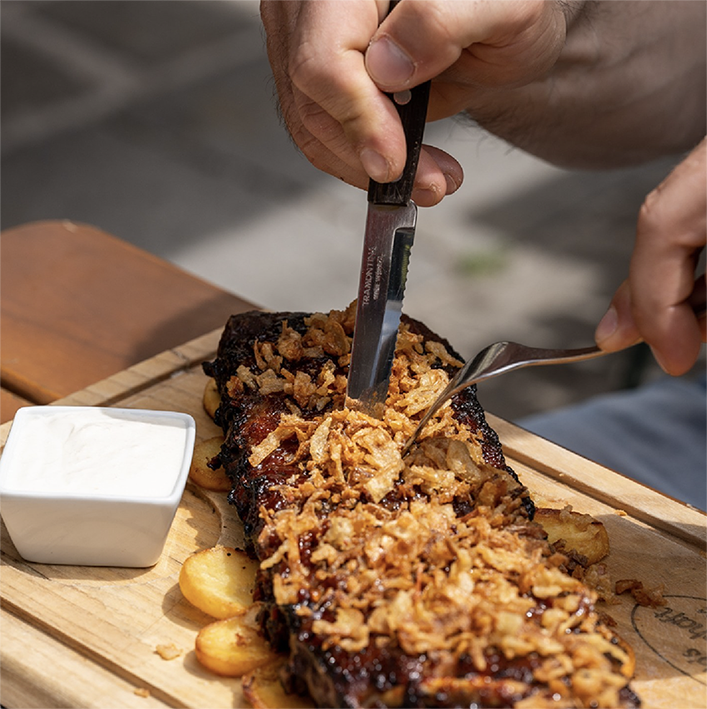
239 418
289 367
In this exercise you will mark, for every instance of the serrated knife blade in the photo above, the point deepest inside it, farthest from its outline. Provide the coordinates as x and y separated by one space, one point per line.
390 230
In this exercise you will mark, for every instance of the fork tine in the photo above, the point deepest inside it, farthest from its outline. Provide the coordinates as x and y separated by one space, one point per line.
496 359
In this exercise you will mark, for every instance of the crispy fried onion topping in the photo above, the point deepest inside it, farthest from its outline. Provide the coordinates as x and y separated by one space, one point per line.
432 555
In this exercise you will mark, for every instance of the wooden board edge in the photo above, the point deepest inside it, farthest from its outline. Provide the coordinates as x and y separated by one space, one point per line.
140 376
654 508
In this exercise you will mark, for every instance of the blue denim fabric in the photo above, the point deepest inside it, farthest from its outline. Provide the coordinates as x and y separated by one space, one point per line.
656 434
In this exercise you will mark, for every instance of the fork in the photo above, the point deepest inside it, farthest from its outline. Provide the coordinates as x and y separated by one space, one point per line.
502 357
499 358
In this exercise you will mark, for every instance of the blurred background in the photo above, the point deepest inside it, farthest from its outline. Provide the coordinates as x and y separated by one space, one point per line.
155 120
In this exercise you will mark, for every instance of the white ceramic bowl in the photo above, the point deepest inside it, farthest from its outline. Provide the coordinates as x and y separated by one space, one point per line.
94 486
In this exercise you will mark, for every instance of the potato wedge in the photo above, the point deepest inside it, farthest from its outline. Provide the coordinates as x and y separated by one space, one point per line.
263 689
199 471
232 647
580 532
219 581
211 398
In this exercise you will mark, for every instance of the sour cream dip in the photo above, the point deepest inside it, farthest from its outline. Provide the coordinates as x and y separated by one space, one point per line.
98 452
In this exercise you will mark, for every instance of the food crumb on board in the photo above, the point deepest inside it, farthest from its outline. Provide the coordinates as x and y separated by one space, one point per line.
168 652
621 513
142 692
650 597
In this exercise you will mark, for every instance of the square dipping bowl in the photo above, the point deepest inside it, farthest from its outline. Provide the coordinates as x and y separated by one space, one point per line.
94 486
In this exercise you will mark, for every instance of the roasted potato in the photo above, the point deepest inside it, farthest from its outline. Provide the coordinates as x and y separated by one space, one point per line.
233 647
200 472
219 581
581 533
212 398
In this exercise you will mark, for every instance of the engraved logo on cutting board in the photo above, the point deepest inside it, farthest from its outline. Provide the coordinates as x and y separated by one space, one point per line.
677 633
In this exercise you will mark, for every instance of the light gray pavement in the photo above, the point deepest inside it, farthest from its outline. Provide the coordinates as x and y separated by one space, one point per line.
155 121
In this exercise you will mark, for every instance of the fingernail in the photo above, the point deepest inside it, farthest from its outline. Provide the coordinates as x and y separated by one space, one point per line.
607 325
661 362
375 165
388 64
426 196
452 185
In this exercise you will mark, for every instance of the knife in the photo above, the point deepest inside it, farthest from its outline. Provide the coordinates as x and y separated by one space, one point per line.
390 230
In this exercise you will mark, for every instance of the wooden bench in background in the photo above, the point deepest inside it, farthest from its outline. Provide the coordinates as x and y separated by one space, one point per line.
78 305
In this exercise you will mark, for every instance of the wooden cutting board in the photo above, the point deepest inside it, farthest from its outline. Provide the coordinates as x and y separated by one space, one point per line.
87 637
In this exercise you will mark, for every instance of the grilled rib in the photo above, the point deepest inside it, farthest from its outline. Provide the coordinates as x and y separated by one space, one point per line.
391 583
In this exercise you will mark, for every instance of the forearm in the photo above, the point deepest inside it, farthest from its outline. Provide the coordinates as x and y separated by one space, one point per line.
628 86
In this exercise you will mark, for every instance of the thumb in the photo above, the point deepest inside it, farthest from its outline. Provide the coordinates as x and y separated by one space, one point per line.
617 329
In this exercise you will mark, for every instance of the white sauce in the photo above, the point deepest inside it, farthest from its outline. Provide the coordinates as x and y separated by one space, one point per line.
90 451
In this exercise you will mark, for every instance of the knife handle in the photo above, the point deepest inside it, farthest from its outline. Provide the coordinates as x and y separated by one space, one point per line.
412 115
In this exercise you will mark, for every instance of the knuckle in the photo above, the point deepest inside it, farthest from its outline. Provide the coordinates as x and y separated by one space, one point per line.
336 91
302 66
652 212
434 17
435 27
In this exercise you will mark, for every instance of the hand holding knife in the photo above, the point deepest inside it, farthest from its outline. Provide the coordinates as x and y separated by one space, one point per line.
390 230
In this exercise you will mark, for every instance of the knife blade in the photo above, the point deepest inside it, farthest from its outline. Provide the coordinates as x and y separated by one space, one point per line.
389 234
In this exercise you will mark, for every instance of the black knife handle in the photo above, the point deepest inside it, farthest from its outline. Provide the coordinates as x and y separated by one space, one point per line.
412 115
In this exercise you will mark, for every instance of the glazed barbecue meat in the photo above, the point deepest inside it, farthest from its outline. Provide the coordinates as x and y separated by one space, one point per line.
421 582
